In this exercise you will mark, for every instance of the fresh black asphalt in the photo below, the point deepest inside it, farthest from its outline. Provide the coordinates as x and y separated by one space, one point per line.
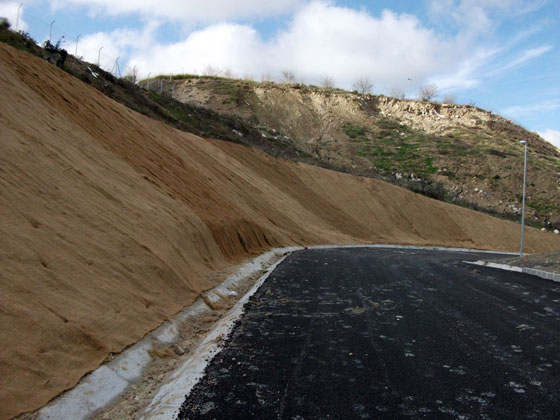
363 333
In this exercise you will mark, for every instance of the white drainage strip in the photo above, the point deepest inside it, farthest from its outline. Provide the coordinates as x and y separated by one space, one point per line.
547 275
107 383
166 403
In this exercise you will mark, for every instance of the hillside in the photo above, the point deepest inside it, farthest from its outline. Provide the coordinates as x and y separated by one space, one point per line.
456 153
112 222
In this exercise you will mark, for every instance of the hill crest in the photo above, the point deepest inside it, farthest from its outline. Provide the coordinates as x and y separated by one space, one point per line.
463 153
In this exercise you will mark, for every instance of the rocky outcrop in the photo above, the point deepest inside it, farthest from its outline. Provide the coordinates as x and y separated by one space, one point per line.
434 117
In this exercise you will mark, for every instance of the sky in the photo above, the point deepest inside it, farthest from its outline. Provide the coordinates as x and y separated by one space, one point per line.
500 55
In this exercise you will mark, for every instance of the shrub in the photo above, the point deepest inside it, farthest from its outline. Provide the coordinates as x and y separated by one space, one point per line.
428 92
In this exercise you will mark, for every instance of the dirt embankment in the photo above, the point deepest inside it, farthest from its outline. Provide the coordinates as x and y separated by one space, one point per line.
469 155
112 222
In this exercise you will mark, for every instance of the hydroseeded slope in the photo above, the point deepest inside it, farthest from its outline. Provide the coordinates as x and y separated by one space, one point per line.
112 222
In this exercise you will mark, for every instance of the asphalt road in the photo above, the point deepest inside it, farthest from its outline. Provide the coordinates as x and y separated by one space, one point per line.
388 334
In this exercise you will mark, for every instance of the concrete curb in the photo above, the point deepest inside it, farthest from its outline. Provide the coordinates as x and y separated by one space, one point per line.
171 395
414 247
107 383
534 272
542 274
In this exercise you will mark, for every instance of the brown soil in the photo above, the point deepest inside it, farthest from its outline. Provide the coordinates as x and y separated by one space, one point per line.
112 222
472 156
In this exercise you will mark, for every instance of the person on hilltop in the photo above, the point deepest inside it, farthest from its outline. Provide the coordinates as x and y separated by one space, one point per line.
56 50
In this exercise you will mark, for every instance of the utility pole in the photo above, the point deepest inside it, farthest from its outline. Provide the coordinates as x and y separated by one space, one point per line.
77 40
116 67
99 56
50 32
524 142
17 19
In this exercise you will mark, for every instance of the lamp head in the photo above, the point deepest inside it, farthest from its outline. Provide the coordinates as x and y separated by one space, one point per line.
523 141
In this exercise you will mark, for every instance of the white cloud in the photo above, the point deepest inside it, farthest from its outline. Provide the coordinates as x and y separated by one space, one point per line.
468 73
529 55
524 58
185 10
552 136
476 16
119 43
223 46
521 111
347 44
9 10
475 22
392 50
321 39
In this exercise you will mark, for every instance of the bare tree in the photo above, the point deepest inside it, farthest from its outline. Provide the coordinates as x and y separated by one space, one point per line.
397 93
210 70
328 82
288 76
228 73
363 85
266 77
428 92
450 98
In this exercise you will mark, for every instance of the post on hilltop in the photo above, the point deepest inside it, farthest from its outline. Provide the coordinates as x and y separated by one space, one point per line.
524 142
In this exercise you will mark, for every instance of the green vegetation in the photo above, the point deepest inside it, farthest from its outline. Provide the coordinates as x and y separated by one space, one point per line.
542 205
20 40
202 122
392 147
354 131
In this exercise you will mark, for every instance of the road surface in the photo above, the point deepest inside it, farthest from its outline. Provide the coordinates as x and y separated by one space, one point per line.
362 333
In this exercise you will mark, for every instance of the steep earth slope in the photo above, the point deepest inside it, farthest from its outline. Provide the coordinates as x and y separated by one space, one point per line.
111 222
459 154
454 152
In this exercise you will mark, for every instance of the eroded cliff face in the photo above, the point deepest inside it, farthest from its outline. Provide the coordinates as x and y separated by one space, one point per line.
434 117
465 154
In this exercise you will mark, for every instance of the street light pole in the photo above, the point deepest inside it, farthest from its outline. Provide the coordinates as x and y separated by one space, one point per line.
17 19
524 142
77 39
50 32
99 56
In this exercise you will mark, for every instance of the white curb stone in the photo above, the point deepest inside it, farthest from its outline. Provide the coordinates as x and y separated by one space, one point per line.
547 275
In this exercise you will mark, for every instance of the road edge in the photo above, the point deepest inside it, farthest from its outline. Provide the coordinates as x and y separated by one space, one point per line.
105 385
172 393
547 275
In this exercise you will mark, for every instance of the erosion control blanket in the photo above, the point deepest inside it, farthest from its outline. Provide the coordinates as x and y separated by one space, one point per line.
112 222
